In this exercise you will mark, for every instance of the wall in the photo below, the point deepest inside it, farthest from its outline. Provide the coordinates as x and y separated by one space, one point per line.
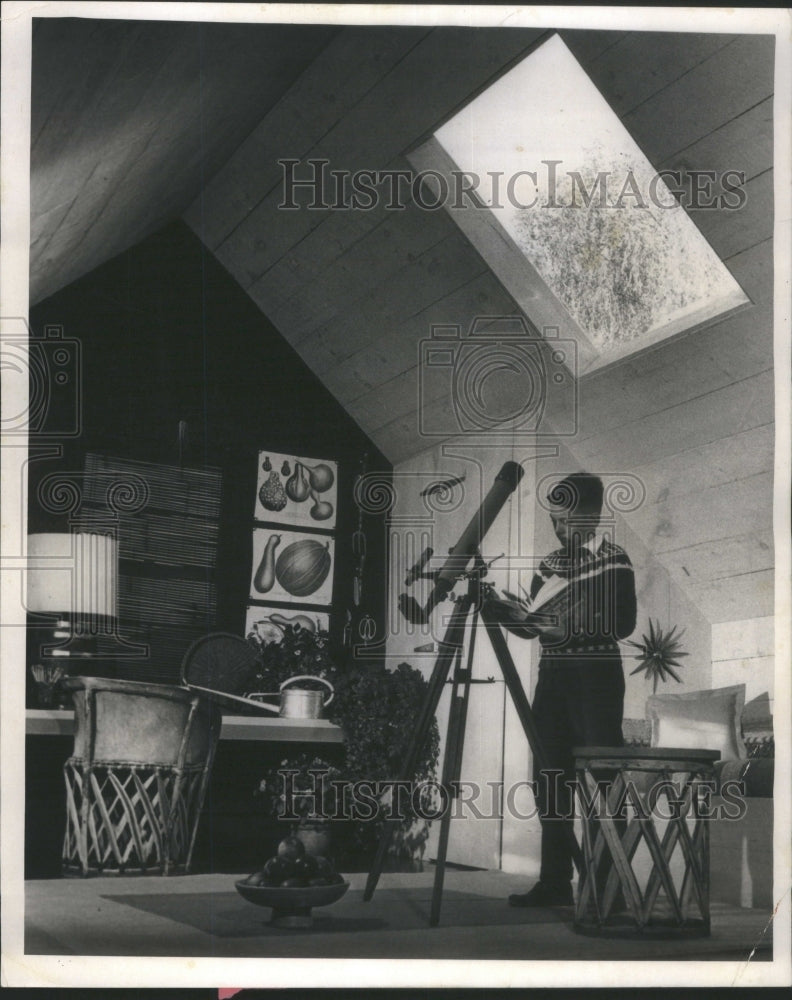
168 335
743 653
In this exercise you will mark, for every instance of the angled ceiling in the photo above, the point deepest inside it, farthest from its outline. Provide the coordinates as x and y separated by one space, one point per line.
130 118
163 120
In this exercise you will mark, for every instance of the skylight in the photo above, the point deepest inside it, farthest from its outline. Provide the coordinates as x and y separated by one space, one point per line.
577 225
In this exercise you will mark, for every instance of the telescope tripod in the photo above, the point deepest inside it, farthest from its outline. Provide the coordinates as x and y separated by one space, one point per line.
450 655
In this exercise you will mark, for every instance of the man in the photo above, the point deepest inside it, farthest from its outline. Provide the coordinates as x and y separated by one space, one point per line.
579 696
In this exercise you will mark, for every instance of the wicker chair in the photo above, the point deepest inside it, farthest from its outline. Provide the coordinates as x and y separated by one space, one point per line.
137 776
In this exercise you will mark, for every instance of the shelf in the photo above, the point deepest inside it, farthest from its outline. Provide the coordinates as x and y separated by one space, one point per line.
60 722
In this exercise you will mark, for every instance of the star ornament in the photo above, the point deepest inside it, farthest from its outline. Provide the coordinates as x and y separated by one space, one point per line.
659 653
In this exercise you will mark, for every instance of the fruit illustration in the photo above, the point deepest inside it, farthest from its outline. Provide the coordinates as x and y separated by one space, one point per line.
302 620
266 631
303 566
321 509
285 469
266 465
321 477
272 494
297 487
264 579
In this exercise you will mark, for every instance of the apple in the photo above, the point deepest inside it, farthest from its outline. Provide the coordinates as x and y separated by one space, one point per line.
306 867
277 869
320 880
323 865
291 848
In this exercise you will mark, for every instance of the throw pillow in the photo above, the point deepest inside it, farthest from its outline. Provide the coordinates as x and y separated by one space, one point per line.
699 720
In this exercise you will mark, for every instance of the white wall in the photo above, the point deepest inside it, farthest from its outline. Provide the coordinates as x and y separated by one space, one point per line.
742 653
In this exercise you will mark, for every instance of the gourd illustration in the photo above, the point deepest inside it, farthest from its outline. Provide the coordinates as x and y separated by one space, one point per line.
297 487
321 477
321 509
302 620
303 566
285 468
266 465
272 494
266 631
264 579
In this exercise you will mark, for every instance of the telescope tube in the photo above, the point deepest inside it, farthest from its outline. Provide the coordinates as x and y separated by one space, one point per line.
469 543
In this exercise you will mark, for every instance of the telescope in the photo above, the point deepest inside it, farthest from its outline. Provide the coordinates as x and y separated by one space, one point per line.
463 552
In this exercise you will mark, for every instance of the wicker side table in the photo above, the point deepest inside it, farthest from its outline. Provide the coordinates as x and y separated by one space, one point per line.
137 777
625 795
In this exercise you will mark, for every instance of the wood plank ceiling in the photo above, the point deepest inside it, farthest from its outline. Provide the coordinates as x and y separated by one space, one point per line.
129 119
356 291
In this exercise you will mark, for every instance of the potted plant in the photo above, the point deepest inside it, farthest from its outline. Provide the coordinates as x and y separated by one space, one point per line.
377 708
303 790
293 650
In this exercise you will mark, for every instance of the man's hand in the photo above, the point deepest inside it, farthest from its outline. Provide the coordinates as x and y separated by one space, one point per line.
555 632
508 609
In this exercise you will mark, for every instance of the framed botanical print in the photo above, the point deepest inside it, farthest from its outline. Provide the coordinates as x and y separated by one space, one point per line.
296 491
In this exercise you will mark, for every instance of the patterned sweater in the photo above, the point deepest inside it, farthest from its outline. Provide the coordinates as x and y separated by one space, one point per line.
599 605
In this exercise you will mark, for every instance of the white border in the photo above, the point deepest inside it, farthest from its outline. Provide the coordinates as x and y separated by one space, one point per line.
76 971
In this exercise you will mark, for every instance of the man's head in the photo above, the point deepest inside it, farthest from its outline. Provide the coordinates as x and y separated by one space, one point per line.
575 506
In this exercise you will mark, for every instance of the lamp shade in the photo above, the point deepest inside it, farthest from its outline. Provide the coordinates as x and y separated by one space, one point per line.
72 573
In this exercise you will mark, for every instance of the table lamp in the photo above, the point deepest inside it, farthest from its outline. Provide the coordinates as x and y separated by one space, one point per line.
72 587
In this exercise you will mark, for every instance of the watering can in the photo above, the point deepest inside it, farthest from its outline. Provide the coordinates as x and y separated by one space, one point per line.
297 703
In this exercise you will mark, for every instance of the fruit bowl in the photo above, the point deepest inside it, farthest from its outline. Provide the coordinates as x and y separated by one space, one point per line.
291 905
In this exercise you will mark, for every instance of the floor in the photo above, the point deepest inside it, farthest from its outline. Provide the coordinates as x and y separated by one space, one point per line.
203 915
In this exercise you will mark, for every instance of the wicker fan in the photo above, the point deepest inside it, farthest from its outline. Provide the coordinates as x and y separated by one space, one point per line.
222 665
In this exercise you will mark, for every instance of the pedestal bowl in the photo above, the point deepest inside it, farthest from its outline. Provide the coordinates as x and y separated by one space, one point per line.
291 905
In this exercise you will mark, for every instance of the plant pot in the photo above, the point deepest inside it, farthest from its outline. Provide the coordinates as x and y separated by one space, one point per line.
315 835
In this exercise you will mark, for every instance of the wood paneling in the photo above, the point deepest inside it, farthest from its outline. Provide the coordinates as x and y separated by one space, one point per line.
129 120
728 83
334 83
